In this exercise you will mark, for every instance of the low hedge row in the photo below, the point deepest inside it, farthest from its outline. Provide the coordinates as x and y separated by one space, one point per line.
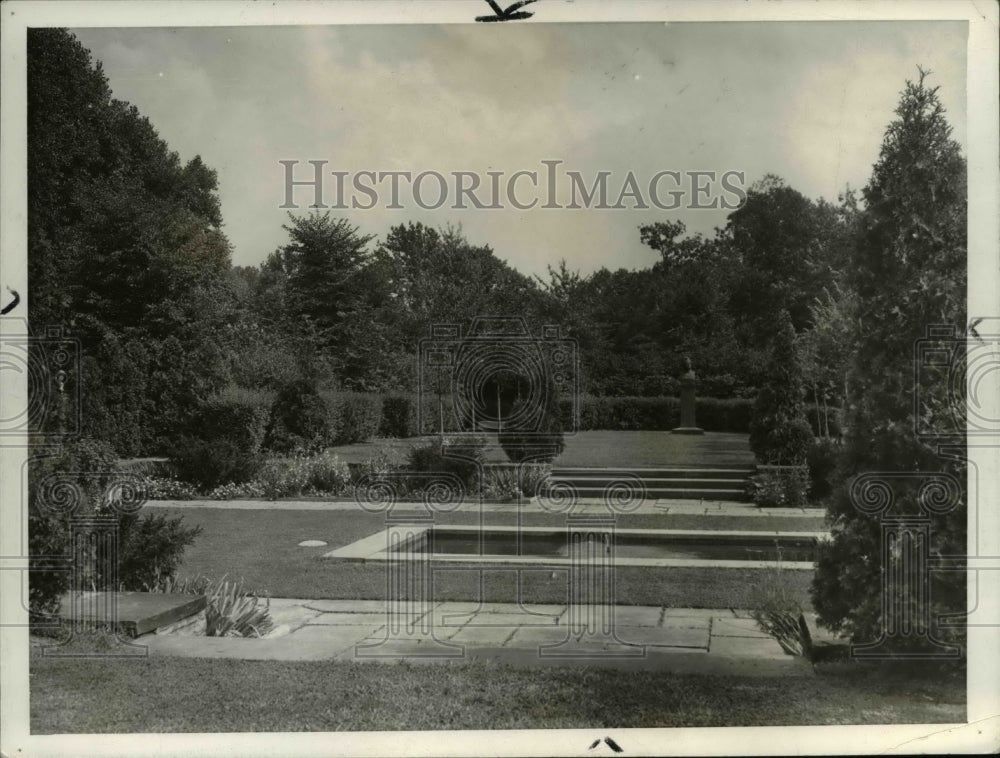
358 417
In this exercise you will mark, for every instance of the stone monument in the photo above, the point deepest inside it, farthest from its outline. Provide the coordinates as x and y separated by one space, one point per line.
688 382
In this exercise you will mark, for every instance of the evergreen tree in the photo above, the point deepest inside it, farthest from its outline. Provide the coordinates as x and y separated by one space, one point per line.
779 432
908 272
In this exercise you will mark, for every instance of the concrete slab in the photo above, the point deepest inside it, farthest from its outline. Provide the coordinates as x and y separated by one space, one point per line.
468 607
292 615
134 613
723 626
345 606
452 614
686 622
350 619
292 647
478 636
752 647
532 636
637 615
682 637
511 620
699 613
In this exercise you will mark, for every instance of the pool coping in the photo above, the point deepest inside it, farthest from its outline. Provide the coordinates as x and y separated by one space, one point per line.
374 548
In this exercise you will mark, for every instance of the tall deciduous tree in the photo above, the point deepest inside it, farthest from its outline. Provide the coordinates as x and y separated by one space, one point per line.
908 272
124 243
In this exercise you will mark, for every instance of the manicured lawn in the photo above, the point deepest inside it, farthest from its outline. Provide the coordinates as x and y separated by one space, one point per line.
606 449
188 695
261 546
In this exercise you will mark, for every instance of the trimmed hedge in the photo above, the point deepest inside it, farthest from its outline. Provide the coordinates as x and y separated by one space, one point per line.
358 417
354 416
226 444
657 413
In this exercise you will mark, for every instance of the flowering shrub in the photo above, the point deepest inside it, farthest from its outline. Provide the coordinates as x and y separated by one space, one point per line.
533 475
233 491
780 486
169 488
301 474
500 483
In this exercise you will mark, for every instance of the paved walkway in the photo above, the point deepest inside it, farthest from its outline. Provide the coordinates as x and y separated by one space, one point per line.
584 506
689 640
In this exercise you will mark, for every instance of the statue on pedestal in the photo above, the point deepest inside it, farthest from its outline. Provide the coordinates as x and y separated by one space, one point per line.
688 382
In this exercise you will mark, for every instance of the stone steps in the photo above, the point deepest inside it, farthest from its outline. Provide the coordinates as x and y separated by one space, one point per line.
702 483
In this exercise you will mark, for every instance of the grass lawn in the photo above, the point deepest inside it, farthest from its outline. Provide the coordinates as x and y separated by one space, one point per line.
606 449
192 695
261 546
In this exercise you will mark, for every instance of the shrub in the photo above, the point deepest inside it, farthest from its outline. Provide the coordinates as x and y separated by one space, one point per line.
226 446
779 432
232 491
383 460
832 420
79 472
209 463
236 414
779 486
501 483
168 488
150 546
298 475
822 460
358 416
544 444
723 415
399 417
284 477
327 473
532 476
300 419
464 464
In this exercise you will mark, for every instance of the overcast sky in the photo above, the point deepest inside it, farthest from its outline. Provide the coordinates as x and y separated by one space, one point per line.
806 101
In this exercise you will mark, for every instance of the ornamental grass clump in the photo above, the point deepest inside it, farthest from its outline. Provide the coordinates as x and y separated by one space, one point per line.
778 612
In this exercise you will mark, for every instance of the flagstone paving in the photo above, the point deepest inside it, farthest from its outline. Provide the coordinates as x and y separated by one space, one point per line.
680 639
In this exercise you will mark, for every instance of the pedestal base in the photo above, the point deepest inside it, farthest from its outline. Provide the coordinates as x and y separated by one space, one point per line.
687 430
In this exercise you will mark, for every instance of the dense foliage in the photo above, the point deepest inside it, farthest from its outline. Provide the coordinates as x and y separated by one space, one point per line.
791 311
908 272
779 432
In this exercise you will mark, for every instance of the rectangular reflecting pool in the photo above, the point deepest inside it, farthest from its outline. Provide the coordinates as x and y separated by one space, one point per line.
557 545
552 546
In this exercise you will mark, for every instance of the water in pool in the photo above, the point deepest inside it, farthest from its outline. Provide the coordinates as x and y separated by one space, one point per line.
555 545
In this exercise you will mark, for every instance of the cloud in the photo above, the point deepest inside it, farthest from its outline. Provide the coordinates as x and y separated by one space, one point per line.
807 101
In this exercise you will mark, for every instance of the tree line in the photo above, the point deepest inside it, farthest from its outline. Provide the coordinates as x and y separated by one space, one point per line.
126 249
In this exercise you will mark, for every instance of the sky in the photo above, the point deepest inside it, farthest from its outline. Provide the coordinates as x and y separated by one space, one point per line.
808 101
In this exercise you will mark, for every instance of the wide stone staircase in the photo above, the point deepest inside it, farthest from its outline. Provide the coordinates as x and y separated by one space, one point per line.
668 483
